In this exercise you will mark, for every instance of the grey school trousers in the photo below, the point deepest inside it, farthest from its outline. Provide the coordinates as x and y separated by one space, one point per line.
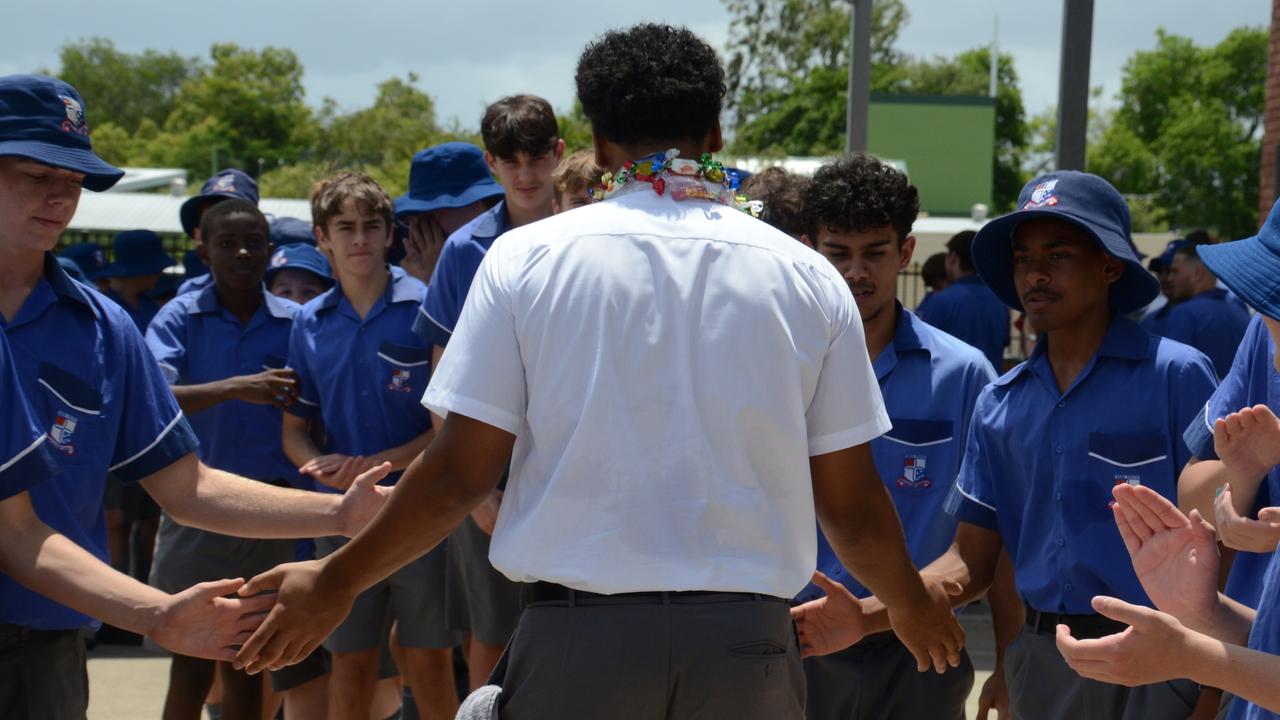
705 657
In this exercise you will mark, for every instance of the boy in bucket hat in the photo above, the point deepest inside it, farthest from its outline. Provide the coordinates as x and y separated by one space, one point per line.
224 184
1050 438
103 401
449 185
138 259
1201 633
298 272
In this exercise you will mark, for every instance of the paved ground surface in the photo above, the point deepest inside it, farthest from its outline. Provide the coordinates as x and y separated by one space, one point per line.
129 683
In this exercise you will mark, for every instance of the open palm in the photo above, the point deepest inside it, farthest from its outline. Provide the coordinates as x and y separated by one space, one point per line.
1174 557
1248 441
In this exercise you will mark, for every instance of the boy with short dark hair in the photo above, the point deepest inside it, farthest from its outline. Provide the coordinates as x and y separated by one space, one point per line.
223 350
362 371
575 179
781 193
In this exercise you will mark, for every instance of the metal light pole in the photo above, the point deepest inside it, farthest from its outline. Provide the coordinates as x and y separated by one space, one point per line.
859 76
1073 83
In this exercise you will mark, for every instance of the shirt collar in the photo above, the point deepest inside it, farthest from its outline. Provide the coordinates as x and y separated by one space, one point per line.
1124 340
62 283
206 301
906 338
968 280
492 222
400 288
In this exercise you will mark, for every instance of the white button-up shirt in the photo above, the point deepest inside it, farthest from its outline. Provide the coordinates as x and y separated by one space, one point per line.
667 369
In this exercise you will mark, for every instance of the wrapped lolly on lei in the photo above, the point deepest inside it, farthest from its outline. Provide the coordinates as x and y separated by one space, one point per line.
666 172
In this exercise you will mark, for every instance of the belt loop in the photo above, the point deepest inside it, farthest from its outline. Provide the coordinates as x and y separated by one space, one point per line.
573 597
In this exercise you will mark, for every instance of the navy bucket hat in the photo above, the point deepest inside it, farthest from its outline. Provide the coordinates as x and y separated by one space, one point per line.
447 175
299 256
1250 267
137 252
1086 201
42 119
229 183
88 257
289 230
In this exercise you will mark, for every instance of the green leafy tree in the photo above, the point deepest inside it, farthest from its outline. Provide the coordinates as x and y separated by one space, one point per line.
125 89
575 129
401 121
1188 130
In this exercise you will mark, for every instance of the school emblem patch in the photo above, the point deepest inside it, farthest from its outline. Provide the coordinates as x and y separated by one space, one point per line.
280 260
399 381
64 427
224 183
1128 479
74 121
1042 195
913 473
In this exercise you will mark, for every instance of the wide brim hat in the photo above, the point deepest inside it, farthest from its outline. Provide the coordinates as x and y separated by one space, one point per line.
1250 267
42 119
448 175
1086 201
225 184
137 252
299 256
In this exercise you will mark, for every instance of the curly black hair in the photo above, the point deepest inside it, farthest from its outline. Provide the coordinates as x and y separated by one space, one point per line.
650 83
858 193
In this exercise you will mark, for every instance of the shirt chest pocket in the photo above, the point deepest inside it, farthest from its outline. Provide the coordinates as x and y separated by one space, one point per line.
918 456
74 413
1114 458
406 368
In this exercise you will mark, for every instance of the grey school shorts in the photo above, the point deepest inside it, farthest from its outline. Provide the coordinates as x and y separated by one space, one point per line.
186 556
413 598
481 600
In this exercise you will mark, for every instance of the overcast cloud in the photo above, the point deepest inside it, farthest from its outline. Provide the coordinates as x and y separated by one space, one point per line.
469 53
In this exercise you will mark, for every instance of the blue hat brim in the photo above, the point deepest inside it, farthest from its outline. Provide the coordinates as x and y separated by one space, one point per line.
188 211
99 175
993 259
1249 269
408 205
135 267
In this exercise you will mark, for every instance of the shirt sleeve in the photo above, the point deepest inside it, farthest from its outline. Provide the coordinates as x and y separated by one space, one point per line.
1232 394
1191 390
482 375
846 408
167 339
25 457
153 432
447 292
972 500
307 405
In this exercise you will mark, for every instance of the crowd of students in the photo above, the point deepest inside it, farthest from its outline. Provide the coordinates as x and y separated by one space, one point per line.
610 434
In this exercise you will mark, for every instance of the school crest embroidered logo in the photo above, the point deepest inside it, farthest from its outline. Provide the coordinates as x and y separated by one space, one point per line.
1128 479
400 381
1042 195
64 427
913 473
225 183
280 260
74 121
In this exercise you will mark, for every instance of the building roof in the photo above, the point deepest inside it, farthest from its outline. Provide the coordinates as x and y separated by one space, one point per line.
113 212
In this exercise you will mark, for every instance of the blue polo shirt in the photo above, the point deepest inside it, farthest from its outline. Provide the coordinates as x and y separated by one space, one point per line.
1251 381
141 315
1264 637
1039 464
1154 322
968 310
930 382
107 407
363 378
25 457
196 340
459 260
1210 324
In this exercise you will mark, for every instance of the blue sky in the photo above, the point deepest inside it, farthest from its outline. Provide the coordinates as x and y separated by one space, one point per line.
470 53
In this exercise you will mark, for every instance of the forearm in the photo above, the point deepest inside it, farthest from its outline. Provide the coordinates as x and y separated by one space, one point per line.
51 564
401 455
1246 673
210 499
1007 612
297 441
1230 622
194 398
1200 480
432 497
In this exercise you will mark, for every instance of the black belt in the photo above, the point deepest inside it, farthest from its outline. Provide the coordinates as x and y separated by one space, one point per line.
1082 626
542 592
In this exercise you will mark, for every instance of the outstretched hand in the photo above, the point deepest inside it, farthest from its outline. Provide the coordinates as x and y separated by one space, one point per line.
306 611
1174 557
201 622
1242 533
930 629
832 622
364 499
1248 441
1154 648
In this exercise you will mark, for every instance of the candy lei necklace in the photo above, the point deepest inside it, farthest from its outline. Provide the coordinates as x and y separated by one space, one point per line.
666 172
